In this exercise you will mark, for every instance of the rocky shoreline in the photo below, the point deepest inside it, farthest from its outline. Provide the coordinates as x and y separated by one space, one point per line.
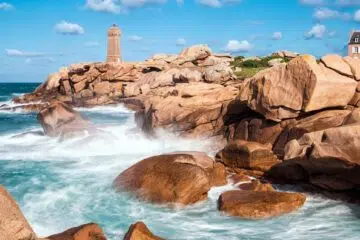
296 122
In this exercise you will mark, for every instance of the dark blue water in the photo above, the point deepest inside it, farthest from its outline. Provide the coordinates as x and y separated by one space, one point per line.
61 184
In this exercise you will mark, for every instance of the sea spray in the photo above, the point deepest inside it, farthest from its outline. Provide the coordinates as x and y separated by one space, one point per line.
62 184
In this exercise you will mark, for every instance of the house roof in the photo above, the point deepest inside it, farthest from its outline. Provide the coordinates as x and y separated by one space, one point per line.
354 34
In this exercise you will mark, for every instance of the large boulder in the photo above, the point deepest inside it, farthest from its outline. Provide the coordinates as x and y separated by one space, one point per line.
259 204
219 73
139 231
13 225
336 63
286 91
59 118
194 109
327 158
90 231
354 64
196 52
247 155
183 178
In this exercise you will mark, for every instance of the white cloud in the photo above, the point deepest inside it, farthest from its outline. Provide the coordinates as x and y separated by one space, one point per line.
180 2
237 46
135 38
65 27
109 6
181 42
211 3
277 36
327 13
357 16
19 53
140 3
318 31
348 2
6 6
28 61
313 2
92 44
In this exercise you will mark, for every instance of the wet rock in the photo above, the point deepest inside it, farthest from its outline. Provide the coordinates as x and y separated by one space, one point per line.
194 109
256 185
13 225
247 155
90 231
182 178
332 154
60 118
259 204
139 231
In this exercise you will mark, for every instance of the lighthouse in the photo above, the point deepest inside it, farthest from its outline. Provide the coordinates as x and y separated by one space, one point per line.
113 49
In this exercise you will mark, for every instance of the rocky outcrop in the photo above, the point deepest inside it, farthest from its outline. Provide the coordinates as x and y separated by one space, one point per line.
89 84
183 178
13 225
139 231
90 231
60 119
285 54
247 155
328 159
259 204
289 91
195 109
256 185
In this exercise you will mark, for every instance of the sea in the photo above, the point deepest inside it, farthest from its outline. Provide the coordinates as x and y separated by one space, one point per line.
60 184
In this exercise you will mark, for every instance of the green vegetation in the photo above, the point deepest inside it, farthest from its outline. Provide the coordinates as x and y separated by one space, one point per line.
252 66
248 72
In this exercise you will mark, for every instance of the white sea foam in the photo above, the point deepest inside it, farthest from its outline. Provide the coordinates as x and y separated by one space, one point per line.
62 184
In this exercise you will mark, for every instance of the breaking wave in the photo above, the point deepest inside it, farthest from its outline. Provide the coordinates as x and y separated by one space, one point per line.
62 184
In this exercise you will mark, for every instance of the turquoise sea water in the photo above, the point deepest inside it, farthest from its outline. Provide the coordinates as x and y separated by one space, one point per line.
62 184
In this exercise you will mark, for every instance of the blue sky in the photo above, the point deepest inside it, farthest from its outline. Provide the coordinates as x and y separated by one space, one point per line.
38 37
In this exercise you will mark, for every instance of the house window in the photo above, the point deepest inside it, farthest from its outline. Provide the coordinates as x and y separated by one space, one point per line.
357 40
356 49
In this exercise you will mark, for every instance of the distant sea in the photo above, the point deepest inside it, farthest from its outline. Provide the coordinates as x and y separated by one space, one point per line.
63 184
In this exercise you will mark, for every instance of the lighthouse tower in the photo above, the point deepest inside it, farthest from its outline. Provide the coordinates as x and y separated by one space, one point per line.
113 50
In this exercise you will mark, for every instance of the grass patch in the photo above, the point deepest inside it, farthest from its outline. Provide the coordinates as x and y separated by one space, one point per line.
248 72
251 67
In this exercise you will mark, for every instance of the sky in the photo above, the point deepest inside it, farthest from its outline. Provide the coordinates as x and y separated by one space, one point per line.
38 37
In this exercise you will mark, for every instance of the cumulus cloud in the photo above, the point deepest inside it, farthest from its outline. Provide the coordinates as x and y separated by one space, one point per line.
120 6
6 6
217 3
109 6
140 3
135 38
357 16
181 42
238 46
318 31
327 13
68 28
277 36
20 53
